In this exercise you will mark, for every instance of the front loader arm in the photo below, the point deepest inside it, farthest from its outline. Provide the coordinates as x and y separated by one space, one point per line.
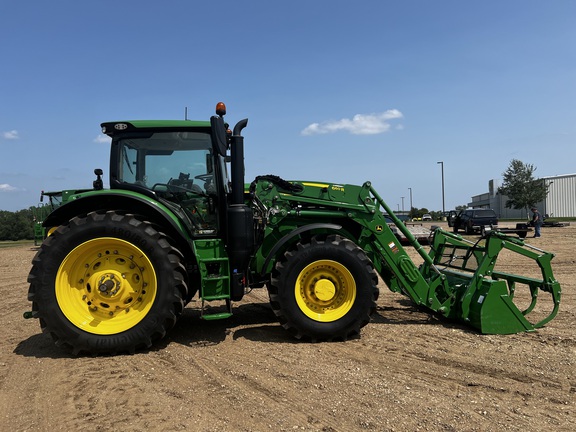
476 293
393 263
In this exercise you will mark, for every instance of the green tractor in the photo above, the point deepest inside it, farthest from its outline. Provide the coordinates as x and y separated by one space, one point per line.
123 263
54 199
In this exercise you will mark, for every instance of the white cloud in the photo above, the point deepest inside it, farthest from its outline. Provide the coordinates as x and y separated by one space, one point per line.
11 135
360 124
104 139
4 187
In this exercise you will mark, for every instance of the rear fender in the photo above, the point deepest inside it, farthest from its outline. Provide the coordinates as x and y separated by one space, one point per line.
126 203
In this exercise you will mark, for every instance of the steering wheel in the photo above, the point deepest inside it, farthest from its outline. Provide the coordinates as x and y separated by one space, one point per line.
204 177
176 188
171 187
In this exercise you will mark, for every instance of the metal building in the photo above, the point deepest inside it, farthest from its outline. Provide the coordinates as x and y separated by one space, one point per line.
561 199
560 202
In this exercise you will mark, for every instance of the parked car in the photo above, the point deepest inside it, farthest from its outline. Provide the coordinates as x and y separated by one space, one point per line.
472 220
426 217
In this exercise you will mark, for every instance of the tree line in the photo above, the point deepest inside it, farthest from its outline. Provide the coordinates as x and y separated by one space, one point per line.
17 225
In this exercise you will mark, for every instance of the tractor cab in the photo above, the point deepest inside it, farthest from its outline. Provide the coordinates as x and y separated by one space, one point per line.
175 166
175 162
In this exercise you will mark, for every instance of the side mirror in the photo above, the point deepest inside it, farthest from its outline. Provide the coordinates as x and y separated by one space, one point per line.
98 184
219 137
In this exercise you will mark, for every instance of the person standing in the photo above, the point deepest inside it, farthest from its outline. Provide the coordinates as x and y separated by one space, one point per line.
536 221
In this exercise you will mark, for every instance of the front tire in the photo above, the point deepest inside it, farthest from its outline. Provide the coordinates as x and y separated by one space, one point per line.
107 283
324 289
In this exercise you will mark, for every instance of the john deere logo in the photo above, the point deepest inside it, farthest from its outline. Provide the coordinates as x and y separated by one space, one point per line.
379 228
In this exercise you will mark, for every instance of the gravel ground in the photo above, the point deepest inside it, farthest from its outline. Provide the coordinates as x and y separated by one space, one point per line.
407 371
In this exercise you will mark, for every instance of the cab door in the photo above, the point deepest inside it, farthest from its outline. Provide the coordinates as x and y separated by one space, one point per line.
451 217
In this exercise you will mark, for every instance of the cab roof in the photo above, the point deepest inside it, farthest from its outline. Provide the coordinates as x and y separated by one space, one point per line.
111 128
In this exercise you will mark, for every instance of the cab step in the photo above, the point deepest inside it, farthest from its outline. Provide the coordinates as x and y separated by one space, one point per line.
220 312
214 270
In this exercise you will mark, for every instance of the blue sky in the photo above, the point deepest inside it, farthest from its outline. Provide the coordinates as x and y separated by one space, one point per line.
336 91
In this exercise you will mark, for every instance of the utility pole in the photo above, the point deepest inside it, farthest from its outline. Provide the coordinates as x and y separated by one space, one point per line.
443 202
411 207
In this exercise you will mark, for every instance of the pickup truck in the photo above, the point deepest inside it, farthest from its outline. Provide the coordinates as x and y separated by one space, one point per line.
472 220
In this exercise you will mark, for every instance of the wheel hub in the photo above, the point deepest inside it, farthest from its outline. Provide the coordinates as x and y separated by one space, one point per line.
109 285
118 280
324 290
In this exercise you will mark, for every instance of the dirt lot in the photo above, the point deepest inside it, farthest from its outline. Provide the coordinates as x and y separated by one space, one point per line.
407 371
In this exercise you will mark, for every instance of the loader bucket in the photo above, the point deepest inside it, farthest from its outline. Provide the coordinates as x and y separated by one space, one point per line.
492 311
490 299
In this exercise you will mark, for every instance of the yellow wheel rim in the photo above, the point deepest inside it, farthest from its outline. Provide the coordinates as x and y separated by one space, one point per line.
325 290
106 286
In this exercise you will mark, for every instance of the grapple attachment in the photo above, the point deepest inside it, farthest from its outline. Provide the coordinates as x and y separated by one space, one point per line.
488 296
473 283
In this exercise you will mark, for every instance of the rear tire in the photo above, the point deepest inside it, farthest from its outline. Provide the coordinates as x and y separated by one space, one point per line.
107 283
324 289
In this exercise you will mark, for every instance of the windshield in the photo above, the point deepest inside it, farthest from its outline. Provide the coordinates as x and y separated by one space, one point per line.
484 213
56 200
181 160
179 168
